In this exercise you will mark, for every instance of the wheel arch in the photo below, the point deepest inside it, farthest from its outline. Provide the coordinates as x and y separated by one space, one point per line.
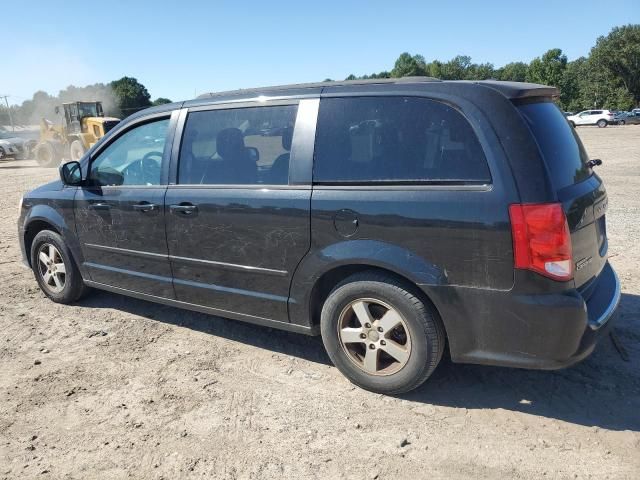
319 273
32 229
44 217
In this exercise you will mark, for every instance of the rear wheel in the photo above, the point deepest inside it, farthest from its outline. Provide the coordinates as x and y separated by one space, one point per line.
76 150
602 123
2 153
46 155
621 122
54 268
380 335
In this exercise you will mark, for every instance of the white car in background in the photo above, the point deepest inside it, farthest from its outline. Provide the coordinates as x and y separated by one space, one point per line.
601 118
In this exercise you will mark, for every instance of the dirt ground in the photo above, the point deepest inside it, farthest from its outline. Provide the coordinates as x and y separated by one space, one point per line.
120 388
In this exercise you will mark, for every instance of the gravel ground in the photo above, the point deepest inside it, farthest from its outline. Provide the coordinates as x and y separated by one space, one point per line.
115 387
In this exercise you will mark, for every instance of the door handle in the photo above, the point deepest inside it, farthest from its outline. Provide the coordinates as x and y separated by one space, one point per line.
99 206
184 209
145 207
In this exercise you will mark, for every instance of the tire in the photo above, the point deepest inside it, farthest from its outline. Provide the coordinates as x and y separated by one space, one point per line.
76 150
62 284
2 153
621 122
602 123
46 155
573 124
395 320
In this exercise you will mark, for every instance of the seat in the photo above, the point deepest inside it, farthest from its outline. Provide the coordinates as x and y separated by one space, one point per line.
236 166
279 171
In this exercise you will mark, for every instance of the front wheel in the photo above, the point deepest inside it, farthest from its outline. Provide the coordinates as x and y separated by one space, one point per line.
572 124
46 155
380 334
602 123
54 268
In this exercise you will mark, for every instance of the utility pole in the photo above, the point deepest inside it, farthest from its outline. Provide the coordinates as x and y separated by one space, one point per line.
6 97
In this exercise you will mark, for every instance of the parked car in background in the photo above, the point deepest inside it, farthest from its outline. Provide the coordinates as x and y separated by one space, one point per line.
396 218
568 114
12 146
627 118
601 118
636 111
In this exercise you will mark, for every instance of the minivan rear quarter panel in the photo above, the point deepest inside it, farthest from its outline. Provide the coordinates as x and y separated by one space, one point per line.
445 238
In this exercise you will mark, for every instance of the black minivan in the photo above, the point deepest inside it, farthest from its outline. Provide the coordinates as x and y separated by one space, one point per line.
396 218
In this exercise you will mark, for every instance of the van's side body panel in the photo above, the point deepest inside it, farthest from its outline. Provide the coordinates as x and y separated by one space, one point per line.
453 242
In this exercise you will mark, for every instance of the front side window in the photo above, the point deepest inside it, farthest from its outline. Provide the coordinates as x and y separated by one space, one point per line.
395 140
134 158
241 146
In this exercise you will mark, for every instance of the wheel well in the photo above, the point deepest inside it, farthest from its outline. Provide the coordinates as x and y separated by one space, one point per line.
32 230
330 279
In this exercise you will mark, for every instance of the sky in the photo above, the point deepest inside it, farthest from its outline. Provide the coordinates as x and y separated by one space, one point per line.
180 49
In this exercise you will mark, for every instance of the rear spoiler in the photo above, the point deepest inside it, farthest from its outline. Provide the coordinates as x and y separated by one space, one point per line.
521 90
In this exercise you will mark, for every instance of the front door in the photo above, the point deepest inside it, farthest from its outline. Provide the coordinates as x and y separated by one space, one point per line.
236 227
120 212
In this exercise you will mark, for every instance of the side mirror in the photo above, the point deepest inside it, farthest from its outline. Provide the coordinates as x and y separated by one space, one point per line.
71 173
254 154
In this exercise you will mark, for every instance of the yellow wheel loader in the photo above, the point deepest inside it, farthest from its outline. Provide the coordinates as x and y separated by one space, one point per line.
83 125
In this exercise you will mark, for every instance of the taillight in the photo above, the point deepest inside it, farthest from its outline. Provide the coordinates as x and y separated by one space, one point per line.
541 239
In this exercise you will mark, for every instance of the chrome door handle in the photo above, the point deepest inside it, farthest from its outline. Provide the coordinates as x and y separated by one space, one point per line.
145 207
183 209
99 206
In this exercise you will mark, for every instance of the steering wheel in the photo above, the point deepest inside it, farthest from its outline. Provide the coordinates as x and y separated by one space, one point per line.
144 171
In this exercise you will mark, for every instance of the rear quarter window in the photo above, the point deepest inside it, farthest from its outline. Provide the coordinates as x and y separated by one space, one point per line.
559 144
396 140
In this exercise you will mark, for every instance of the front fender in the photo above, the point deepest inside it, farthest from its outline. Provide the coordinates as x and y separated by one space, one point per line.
59 214
356 252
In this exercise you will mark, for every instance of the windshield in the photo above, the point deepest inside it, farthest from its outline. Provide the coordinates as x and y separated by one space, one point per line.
87 110
558 142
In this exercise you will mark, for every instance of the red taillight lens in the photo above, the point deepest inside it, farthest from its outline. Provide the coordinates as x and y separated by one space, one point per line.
541 240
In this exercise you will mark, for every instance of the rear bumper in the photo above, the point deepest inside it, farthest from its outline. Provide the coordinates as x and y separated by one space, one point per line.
545 331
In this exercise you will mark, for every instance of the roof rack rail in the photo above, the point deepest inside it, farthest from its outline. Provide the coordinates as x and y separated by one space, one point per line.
368 81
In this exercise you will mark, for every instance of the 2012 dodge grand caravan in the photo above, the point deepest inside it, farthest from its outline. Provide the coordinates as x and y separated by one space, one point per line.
393 217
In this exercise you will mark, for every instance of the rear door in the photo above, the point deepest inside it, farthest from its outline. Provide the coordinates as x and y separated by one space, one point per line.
581 192
238 206
120 212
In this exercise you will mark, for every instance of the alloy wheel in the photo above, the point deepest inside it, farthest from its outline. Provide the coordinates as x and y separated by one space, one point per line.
374 336
52 268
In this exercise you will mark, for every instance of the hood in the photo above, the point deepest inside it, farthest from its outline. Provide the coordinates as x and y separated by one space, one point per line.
47 187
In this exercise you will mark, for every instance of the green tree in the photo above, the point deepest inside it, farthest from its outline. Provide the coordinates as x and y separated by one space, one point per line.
619 54
131 95
160 101
513 72
548 69
409 66
457 68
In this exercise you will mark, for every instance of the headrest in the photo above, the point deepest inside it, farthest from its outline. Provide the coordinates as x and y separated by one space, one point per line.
229 142
287 138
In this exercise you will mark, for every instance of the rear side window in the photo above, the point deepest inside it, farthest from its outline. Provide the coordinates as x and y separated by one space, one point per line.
395 140
558 142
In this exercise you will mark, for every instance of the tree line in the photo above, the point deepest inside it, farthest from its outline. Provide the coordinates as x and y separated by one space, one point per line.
609 77
119 98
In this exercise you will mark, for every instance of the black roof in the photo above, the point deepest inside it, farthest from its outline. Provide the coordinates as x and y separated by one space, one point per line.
510 90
